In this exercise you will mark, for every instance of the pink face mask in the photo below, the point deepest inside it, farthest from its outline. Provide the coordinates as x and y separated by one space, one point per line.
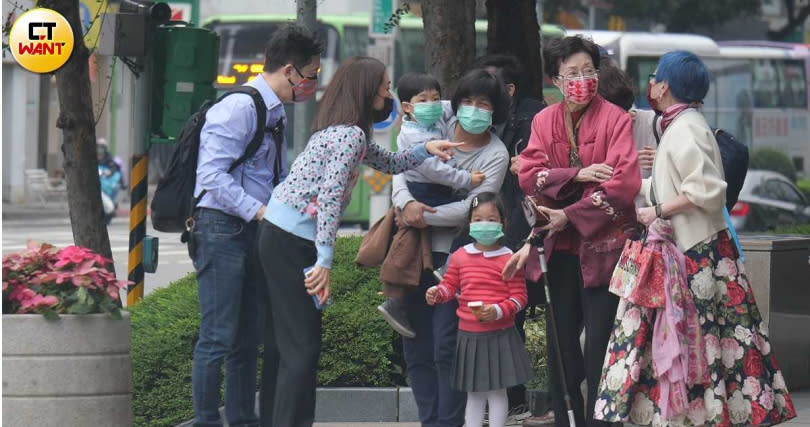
304 90
580 90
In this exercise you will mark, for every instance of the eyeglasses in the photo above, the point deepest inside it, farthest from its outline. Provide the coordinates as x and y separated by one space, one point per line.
586 73
312 77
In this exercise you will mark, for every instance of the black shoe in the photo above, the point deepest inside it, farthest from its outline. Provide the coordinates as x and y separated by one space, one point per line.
393 311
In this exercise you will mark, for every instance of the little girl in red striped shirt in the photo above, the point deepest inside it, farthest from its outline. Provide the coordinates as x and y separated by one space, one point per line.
490 356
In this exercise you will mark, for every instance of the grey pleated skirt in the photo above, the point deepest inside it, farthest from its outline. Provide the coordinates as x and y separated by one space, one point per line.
487 361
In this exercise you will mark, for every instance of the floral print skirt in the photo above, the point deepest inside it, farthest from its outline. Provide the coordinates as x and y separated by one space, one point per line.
746 386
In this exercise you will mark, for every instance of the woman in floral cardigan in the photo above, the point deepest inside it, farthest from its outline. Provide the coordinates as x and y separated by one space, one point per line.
734 378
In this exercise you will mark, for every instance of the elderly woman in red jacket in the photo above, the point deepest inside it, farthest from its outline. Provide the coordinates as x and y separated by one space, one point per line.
582 163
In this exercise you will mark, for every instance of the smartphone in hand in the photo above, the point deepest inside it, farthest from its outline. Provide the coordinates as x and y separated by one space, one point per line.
317 297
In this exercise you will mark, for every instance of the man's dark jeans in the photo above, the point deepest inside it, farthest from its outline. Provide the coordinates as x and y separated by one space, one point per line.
229 278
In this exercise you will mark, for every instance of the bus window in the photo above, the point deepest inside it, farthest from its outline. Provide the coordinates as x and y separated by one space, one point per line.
355 42
766 84
241 50
794 92
410 52
728 104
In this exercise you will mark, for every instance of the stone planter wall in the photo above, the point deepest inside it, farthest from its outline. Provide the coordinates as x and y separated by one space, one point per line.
779 273
73 372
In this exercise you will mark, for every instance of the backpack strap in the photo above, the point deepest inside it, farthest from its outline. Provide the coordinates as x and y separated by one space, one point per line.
258 137
656 119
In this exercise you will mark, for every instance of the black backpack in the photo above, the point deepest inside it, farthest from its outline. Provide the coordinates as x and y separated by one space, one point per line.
734 155
173 203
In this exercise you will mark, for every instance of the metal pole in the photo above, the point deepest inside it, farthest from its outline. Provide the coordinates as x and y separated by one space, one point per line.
305 111
592 17
553 325
138 184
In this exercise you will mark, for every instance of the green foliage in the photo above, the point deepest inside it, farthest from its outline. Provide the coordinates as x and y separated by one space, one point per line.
393 20
773 160
358 347
804 185
49 281
357 343
795 229
535 329
165 327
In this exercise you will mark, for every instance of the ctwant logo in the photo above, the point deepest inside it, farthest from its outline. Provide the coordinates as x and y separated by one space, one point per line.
41 40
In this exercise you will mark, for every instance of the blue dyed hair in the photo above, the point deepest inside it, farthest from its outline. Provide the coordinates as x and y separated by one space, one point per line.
686 75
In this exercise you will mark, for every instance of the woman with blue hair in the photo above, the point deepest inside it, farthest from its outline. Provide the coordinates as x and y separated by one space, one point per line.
700 355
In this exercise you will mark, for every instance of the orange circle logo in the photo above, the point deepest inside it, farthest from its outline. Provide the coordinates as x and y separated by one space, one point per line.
41 40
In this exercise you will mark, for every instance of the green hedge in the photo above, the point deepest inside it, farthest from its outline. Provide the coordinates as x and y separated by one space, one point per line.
535 328
359 349
773 160
795 229
164 330
804 185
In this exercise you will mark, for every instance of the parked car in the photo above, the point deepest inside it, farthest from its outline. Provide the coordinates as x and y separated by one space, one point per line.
769 201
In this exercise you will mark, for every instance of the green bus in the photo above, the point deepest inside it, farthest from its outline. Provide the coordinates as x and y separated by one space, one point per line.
241 57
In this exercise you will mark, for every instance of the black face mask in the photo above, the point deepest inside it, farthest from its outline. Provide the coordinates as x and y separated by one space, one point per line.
380 115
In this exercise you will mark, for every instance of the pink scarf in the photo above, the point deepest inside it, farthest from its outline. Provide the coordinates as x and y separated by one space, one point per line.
678 348
670 113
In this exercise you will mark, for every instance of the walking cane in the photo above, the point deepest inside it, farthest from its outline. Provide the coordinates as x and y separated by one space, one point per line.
541 254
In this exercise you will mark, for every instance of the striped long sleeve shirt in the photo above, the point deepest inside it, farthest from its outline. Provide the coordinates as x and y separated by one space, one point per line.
477 275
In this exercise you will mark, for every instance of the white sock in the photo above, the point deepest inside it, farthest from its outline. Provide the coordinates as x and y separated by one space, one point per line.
474 414
498 407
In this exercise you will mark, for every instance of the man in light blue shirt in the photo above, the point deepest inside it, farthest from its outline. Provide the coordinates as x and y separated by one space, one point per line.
229 274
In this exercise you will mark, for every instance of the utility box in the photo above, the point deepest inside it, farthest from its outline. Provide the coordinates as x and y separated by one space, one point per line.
185 68
778 270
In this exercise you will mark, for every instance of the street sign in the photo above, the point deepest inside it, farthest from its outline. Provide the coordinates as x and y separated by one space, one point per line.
180 12
381 11
375 179
185 10
91 15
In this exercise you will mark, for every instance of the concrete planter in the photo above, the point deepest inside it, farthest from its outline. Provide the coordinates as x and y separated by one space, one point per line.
73 372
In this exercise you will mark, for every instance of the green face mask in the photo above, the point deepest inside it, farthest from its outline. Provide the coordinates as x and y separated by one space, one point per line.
427 113
474 120
486 232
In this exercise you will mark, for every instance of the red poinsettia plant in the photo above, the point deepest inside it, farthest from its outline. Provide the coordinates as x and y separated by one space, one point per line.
50 281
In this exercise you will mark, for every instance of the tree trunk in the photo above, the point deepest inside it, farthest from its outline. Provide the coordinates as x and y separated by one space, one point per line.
449 40
793 21
77 122
513 30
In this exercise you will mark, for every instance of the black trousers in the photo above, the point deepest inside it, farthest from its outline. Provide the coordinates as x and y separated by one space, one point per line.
576 307
292 337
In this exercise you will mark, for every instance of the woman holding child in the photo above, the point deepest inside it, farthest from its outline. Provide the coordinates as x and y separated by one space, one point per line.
479 102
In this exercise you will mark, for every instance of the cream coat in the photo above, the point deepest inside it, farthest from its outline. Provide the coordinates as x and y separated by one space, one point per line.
688 162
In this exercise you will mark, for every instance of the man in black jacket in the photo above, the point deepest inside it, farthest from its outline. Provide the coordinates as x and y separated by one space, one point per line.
515 135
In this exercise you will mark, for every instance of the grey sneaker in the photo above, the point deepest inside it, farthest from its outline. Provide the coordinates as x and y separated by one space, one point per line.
393 311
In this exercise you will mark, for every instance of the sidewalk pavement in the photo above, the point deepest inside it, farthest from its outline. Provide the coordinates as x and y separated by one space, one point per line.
801 400
367 424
